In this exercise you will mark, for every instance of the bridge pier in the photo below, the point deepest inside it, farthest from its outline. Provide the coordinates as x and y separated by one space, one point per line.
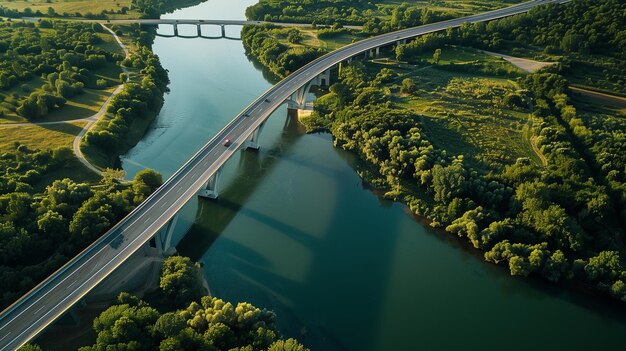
199 30
163 238
253 140
211 188
324 78
175 29
223 30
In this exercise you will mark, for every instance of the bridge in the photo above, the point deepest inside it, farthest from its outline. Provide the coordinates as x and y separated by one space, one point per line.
198 23
153 220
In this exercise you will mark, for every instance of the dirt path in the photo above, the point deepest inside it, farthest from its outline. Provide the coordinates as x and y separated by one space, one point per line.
525 65
91 120
533 143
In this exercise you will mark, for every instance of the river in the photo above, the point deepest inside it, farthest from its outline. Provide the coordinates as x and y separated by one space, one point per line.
296 231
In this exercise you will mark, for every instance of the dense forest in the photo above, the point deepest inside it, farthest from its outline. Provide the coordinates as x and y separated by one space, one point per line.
373 15
261 42
140 99
41 230
64 55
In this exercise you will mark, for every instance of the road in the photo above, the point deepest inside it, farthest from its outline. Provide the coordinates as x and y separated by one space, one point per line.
50 299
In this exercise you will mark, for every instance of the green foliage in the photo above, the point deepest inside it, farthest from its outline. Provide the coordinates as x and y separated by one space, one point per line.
55 224
136 101
535 221
180 280
64 54
145 182
278 58
208 323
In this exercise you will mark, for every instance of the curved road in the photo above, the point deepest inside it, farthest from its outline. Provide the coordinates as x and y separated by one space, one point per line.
41 306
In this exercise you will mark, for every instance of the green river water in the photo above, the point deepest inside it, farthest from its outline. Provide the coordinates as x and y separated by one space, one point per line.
296 231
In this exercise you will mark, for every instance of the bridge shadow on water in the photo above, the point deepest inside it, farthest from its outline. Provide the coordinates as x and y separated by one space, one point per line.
340 271
213 216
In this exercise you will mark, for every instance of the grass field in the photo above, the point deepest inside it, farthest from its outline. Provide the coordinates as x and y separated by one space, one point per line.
71 6
464 114
310 39
39 137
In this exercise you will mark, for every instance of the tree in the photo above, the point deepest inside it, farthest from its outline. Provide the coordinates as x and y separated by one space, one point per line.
97 27
287 345
436 56
145 182
53 224
180 280
408 86
605 266
294 36
30 347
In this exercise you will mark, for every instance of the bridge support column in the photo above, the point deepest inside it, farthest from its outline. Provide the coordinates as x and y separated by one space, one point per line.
163 238
211 188
223 30
299 101
377 51
323 78
199 30
176 29
253 140
349 60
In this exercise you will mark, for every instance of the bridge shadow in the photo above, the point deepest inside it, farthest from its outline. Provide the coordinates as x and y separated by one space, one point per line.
213 216
335 256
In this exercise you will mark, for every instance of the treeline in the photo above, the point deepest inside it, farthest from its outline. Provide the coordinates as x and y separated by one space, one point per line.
41 230
318 12
346 12
63 54
589 33
190 320
261 43
154 8
187 320
559 222
51 12
138 100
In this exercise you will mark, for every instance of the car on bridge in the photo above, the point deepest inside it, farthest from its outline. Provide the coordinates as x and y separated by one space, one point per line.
227 142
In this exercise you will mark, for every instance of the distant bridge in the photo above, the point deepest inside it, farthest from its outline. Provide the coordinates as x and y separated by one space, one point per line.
154 219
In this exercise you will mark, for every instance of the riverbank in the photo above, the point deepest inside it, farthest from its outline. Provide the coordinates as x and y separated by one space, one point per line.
130 112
